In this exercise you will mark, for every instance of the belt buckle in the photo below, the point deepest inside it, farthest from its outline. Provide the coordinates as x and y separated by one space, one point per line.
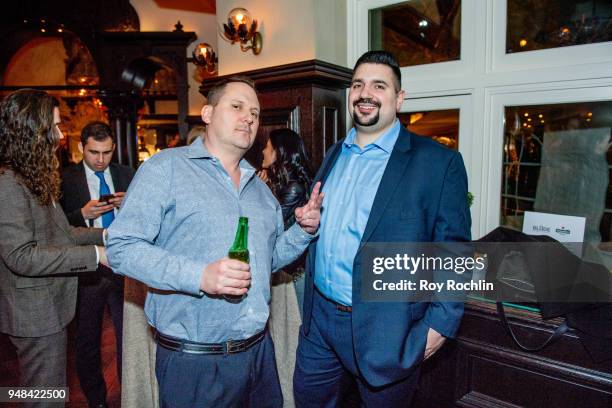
228 347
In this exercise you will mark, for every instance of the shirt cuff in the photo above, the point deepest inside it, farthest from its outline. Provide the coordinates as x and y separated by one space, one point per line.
190 280
302 236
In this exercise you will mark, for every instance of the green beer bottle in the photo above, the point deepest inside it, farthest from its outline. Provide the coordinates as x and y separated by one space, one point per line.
240 251
240 248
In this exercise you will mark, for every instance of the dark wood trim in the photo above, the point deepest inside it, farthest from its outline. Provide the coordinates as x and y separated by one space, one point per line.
311 72
160 38
528 326
193 120
476 399
287 117
160 116
483 367
49 87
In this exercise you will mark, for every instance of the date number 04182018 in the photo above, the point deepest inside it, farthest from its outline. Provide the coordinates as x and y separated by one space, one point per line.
24 394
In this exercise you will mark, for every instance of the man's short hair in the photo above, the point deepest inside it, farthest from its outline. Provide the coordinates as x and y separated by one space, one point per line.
216 91
99 131
384 58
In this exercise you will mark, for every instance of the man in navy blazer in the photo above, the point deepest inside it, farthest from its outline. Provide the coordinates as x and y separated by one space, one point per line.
382 183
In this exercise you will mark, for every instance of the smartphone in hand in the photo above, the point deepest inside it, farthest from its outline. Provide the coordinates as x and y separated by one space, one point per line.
106 198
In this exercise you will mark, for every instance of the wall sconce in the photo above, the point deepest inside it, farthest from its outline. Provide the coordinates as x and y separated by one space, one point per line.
204 56
242 28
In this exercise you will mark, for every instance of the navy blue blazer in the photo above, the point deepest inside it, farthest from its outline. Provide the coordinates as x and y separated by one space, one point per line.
422 197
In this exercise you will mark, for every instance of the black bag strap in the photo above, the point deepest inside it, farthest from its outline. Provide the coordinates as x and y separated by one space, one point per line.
559 331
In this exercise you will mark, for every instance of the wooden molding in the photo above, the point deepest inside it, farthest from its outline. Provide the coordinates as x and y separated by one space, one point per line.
312 72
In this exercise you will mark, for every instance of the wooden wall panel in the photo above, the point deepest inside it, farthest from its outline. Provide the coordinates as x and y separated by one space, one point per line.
483 368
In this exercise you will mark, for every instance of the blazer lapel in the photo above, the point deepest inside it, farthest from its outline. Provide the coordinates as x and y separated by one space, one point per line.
119 182
394 173
81 185
328 163
83 188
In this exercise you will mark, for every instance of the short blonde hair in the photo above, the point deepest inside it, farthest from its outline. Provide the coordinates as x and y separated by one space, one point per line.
216 91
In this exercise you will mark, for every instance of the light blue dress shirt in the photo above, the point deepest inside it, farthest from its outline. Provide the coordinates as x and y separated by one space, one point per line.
349 190
180 214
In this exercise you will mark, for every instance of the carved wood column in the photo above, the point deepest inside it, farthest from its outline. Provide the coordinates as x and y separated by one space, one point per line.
122 115
118 49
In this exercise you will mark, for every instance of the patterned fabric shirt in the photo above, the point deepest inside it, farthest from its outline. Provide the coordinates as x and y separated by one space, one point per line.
180 214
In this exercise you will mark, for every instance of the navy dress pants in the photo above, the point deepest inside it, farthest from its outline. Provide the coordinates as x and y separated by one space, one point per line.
326 365
95 293
247 379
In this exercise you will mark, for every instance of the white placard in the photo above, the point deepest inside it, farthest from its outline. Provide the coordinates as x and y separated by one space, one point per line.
563 228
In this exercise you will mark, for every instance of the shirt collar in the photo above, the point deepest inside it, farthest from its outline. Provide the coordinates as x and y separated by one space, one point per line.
385 142
198 150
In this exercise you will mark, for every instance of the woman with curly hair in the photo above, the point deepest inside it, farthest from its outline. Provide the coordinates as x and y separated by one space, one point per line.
40 253
285 169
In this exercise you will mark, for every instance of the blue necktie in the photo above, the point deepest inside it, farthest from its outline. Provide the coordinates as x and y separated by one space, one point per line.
109 216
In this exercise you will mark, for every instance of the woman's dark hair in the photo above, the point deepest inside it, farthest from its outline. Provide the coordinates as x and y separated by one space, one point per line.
291 160
28 140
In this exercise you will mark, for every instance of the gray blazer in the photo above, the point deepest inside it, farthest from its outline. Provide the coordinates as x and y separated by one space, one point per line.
40 254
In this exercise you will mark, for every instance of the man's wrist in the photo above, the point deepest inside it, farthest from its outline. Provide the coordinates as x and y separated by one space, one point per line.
305 234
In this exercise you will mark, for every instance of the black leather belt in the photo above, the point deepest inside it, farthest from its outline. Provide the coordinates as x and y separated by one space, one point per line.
191 347
340 307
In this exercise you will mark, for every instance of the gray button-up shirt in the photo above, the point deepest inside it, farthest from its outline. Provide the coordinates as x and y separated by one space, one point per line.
180 214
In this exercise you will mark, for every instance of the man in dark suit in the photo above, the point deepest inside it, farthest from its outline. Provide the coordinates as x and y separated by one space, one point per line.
382 184
84 187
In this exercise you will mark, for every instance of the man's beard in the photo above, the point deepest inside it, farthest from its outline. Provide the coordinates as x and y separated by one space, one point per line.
373 120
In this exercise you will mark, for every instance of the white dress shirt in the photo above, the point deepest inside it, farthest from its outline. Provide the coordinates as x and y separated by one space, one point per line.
93 183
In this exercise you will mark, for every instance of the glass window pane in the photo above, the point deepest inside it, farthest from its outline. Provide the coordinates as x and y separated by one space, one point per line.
557 159
541 24
418 32
440 125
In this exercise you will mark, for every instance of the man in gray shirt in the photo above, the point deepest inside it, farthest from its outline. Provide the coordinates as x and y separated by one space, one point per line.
177 222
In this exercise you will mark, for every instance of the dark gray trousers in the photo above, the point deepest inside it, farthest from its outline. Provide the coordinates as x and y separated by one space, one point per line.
42 363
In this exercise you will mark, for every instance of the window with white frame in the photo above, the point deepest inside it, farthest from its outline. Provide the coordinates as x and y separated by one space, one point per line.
557 159
561 78
417 32
543 24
